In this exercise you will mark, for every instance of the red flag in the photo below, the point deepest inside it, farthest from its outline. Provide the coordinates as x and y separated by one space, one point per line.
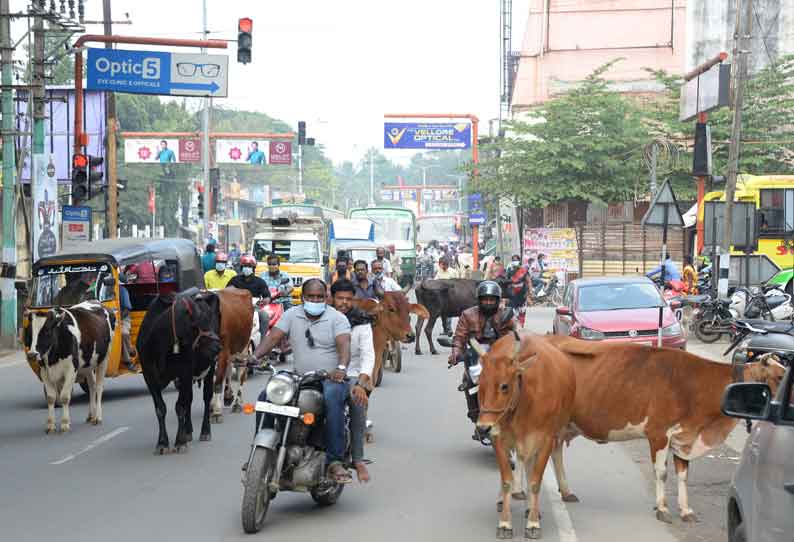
151 199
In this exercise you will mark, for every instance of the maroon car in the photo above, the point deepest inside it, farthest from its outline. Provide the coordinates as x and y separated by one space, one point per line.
622 309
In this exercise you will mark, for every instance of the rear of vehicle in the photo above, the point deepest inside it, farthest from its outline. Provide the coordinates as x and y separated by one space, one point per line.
621 309
394 227
298 252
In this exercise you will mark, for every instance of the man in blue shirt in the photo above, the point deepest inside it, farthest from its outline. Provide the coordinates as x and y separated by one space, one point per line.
668 270
165 155
208 259
255 156
274 276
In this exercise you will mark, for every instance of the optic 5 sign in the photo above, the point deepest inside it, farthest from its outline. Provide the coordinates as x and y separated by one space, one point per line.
157 72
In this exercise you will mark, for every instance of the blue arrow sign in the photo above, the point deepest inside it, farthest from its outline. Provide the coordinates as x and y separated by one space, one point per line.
157 72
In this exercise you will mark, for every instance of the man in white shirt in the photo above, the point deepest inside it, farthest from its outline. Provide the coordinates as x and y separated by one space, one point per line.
445 271
380 280
380 254
359 371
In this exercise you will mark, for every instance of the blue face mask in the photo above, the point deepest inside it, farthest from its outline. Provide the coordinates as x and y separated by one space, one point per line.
313 309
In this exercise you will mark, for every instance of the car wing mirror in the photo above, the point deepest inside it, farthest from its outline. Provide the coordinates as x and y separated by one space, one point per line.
747 400
564 311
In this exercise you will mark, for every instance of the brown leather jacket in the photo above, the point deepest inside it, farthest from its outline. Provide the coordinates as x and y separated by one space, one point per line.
471 323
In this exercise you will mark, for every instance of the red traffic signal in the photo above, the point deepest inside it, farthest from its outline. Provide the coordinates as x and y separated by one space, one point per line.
245 25
79 161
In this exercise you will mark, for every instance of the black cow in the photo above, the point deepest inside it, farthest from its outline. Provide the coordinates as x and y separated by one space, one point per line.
445 298
179 340
69 344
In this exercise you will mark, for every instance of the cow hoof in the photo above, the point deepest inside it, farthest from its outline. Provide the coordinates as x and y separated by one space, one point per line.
205 438
227 401
504 533
236 408
664 516
216 418
180 448
689 518
162 450
65 427
570 497
520 496
189 437
50 429
90 420
532 533
418 352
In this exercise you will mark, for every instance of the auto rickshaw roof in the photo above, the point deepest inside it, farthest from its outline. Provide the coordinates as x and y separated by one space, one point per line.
127 250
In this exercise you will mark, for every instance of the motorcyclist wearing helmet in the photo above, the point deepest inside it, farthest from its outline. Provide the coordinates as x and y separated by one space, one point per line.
247 280
219 277
485 322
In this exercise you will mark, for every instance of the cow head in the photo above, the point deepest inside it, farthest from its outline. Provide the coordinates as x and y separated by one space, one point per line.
204 315
500 379
767 369
393 313
47 333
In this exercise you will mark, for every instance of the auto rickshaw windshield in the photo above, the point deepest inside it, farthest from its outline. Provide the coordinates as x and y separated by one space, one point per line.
65 285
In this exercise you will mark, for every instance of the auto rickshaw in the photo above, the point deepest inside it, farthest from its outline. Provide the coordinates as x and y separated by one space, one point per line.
96 270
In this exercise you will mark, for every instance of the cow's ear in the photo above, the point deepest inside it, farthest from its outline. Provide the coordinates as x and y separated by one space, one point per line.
419 310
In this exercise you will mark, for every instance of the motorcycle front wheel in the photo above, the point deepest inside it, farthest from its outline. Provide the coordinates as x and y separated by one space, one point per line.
256 494
704 331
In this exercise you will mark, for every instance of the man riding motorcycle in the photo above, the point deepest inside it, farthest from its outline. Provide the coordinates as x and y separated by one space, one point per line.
247 280
273 277
485 323
320 339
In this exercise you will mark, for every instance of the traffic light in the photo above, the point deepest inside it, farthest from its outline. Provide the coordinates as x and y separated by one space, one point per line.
200 188
244 27
215 190
80 186
301 132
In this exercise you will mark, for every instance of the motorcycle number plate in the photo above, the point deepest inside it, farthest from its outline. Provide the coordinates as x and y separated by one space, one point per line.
283 410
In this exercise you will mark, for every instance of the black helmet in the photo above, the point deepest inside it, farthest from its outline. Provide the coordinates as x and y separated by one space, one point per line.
489 288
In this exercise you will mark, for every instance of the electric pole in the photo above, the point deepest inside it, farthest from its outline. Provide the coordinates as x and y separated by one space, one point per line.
111 188
8 302
205 132
741 53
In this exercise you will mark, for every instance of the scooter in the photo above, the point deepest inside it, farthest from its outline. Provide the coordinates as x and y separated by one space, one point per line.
549 293
290 455
773 304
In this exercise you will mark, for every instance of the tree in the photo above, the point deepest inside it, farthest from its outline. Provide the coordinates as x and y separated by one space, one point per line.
586 144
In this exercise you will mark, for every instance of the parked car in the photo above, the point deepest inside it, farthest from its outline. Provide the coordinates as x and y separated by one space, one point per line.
761 495
624 309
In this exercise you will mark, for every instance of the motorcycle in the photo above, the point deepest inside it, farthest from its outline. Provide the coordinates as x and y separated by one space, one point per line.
754 338
425 269
772 304
290 456
549 293
712 319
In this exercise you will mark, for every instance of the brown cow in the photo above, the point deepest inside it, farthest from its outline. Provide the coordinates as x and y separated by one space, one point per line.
667 396
527 390
392 322
237 314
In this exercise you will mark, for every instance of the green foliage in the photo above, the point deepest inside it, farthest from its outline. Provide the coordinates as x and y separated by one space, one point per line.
586 144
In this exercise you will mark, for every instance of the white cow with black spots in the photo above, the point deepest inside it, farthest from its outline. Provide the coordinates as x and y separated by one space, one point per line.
69 344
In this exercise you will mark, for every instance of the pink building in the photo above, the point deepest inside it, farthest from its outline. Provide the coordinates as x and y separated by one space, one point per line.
565 40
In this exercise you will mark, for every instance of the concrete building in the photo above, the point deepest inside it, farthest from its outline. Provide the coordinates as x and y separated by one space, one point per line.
711 24
565 40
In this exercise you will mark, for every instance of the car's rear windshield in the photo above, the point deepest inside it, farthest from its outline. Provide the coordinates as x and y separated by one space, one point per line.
609 297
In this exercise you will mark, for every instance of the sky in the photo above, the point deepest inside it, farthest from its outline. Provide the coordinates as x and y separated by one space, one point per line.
341 65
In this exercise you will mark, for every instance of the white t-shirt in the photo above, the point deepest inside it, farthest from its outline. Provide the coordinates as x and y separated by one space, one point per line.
362 352
389 284
450 273
386 266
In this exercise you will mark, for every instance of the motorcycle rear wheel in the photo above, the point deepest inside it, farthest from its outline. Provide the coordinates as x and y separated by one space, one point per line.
703 331
327 498
256 494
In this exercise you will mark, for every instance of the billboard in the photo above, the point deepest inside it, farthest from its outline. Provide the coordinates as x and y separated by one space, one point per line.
426 135
281 152
45 206
189 150
76 223
239 151
150 151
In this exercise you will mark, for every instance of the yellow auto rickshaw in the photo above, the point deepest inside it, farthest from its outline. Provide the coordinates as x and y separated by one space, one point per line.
97 270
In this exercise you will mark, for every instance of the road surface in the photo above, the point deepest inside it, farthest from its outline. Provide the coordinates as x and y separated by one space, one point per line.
430 480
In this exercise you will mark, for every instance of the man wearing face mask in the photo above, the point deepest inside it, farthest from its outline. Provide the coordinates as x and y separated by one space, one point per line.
342 272
381 282
220 276
320 339
247 280
485 323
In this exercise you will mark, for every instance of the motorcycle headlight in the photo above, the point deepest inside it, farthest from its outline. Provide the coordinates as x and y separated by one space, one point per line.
591 334
280 390
672 330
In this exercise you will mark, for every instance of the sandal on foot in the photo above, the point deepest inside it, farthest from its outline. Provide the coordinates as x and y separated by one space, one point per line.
339 473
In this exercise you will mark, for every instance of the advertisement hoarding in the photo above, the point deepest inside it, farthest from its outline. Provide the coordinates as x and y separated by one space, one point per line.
45 206
280 153
426 135
76 223
242 151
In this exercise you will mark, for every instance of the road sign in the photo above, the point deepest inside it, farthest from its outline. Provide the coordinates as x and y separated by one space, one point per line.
157 72
706 92
663 203
424 135
476 210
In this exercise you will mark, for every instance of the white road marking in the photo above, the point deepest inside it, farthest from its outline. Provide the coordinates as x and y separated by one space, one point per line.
11 364
562 519
92 445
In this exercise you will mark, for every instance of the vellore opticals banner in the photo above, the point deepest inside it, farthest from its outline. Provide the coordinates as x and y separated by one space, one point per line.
426 135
